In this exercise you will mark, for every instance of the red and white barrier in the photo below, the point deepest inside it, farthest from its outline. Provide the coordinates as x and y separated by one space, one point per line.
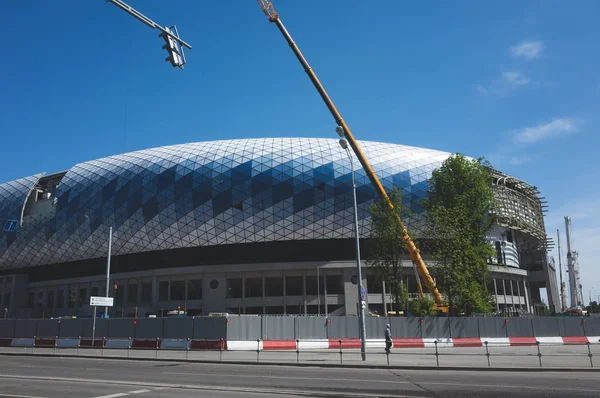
302 345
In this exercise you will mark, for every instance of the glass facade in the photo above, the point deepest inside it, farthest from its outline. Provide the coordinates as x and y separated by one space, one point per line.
208 193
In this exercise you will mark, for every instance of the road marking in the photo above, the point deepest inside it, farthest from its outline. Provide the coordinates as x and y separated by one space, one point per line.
294 378
19 396
119 394
139 391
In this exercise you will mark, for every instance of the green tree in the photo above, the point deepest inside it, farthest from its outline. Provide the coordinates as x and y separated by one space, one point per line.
387 247
423 307
459 214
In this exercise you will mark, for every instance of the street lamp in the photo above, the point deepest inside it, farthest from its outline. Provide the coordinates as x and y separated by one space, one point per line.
361 291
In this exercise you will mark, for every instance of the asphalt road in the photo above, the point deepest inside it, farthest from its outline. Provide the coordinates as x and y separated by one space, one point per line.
43 377
565 356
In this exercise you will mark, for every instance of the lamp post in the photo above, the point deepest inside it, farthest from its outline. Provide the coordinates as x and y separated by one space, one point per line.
361 292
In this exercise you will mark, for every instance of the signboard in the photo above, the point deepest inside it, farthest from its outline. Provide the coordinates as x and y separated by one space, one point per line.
10 225
101 301
363 293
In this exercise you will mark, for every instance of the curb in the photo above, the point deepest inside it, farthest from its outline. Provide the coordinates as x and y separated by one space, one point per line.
315 365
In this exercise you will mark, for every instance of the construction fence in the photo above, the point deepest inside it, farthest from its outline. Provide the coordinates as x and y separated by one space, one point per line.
252 328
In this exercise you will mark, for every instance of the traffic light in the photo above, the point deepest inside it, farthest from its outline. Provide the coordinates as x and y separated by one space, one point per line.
173 47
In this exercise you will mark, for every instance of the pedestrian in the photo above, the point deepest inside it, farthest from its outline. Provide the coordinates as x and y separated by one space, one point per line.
388 339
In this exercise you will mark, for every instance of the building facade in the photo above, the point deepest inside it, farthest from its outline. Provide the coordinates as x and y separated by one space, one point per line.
242 226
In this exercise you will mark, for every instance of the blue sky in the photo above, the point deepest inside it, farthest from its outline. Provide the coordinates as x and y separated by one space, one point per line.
516 82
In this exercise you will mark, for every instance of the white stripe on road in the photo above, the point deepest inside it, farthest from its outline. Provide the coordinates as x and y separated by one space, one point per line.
119 394
18 396
139 391
293 377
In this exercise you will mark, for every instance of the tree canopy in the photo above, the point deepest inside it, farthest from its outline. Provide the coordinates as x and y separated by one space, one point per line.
387 247
458 217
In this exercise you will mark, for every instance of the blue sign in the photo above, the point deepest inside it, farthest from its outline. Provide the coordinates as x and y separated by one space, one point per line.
10 225
363 293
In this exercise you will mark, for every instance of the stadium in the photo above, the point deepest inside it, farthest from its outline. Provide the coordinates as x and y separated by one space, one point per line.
248 226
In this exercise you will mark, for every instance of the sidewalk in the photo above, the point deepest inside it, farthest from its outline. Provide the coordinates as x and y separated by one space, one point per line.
557 357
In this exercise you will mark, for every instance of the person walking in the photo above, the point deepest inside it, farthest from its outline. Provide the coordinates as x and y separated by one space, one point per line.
388 339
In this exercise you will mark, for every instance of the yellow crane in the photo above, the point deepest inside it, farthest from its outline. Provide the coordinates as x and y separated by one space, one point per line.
267 7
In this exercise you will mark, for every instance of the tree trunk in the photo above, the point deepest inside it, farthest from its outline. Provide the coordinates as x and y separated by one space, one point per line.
397 304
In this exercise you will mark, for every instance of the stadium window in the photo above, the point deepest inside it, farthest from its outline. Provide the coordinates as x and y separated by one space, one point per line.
274 310
254 287
61 298
94 291
234 288
274 287
50 299
253 310
6 299
119 295
163 291
72 297
294 309
30 299
374 285
294 286
82 296
132 293
335 284
194 289
178 290
311 285
147 292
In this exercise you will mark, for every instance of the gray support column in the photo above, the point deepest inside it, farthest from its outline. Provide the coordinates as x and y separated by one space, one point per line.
496 295
512 293
284 295
526 295
519 293
325 292
504 290
384 298
304 290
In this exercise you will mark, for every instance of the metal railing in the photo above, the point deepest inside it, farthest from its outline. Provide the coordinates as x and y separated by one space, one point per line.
202 350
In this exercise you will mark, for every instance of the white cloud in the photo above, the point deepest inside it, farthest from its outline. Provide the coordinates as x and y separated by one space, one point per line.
556 128
528 49
515 79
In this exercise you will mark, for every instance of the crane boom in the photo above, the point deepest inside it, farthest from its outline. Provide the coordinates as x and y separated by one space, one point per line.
267 7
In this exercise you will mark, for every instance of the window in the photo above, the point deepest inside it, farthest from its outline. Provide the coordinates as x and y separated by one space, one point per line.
274 287
194 289
178 290
254 310
120 295
335 284
509 237
83 296
311 285
374 284
294 286
72 297
147 292
277 310
61 298
254 287
163 291
234 288
132 293
30 299
50 299
94 291
7 299
294 309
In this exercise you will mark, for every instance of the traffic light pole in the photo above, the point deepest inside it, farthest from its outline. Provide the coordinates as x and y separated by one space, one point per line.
174 45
